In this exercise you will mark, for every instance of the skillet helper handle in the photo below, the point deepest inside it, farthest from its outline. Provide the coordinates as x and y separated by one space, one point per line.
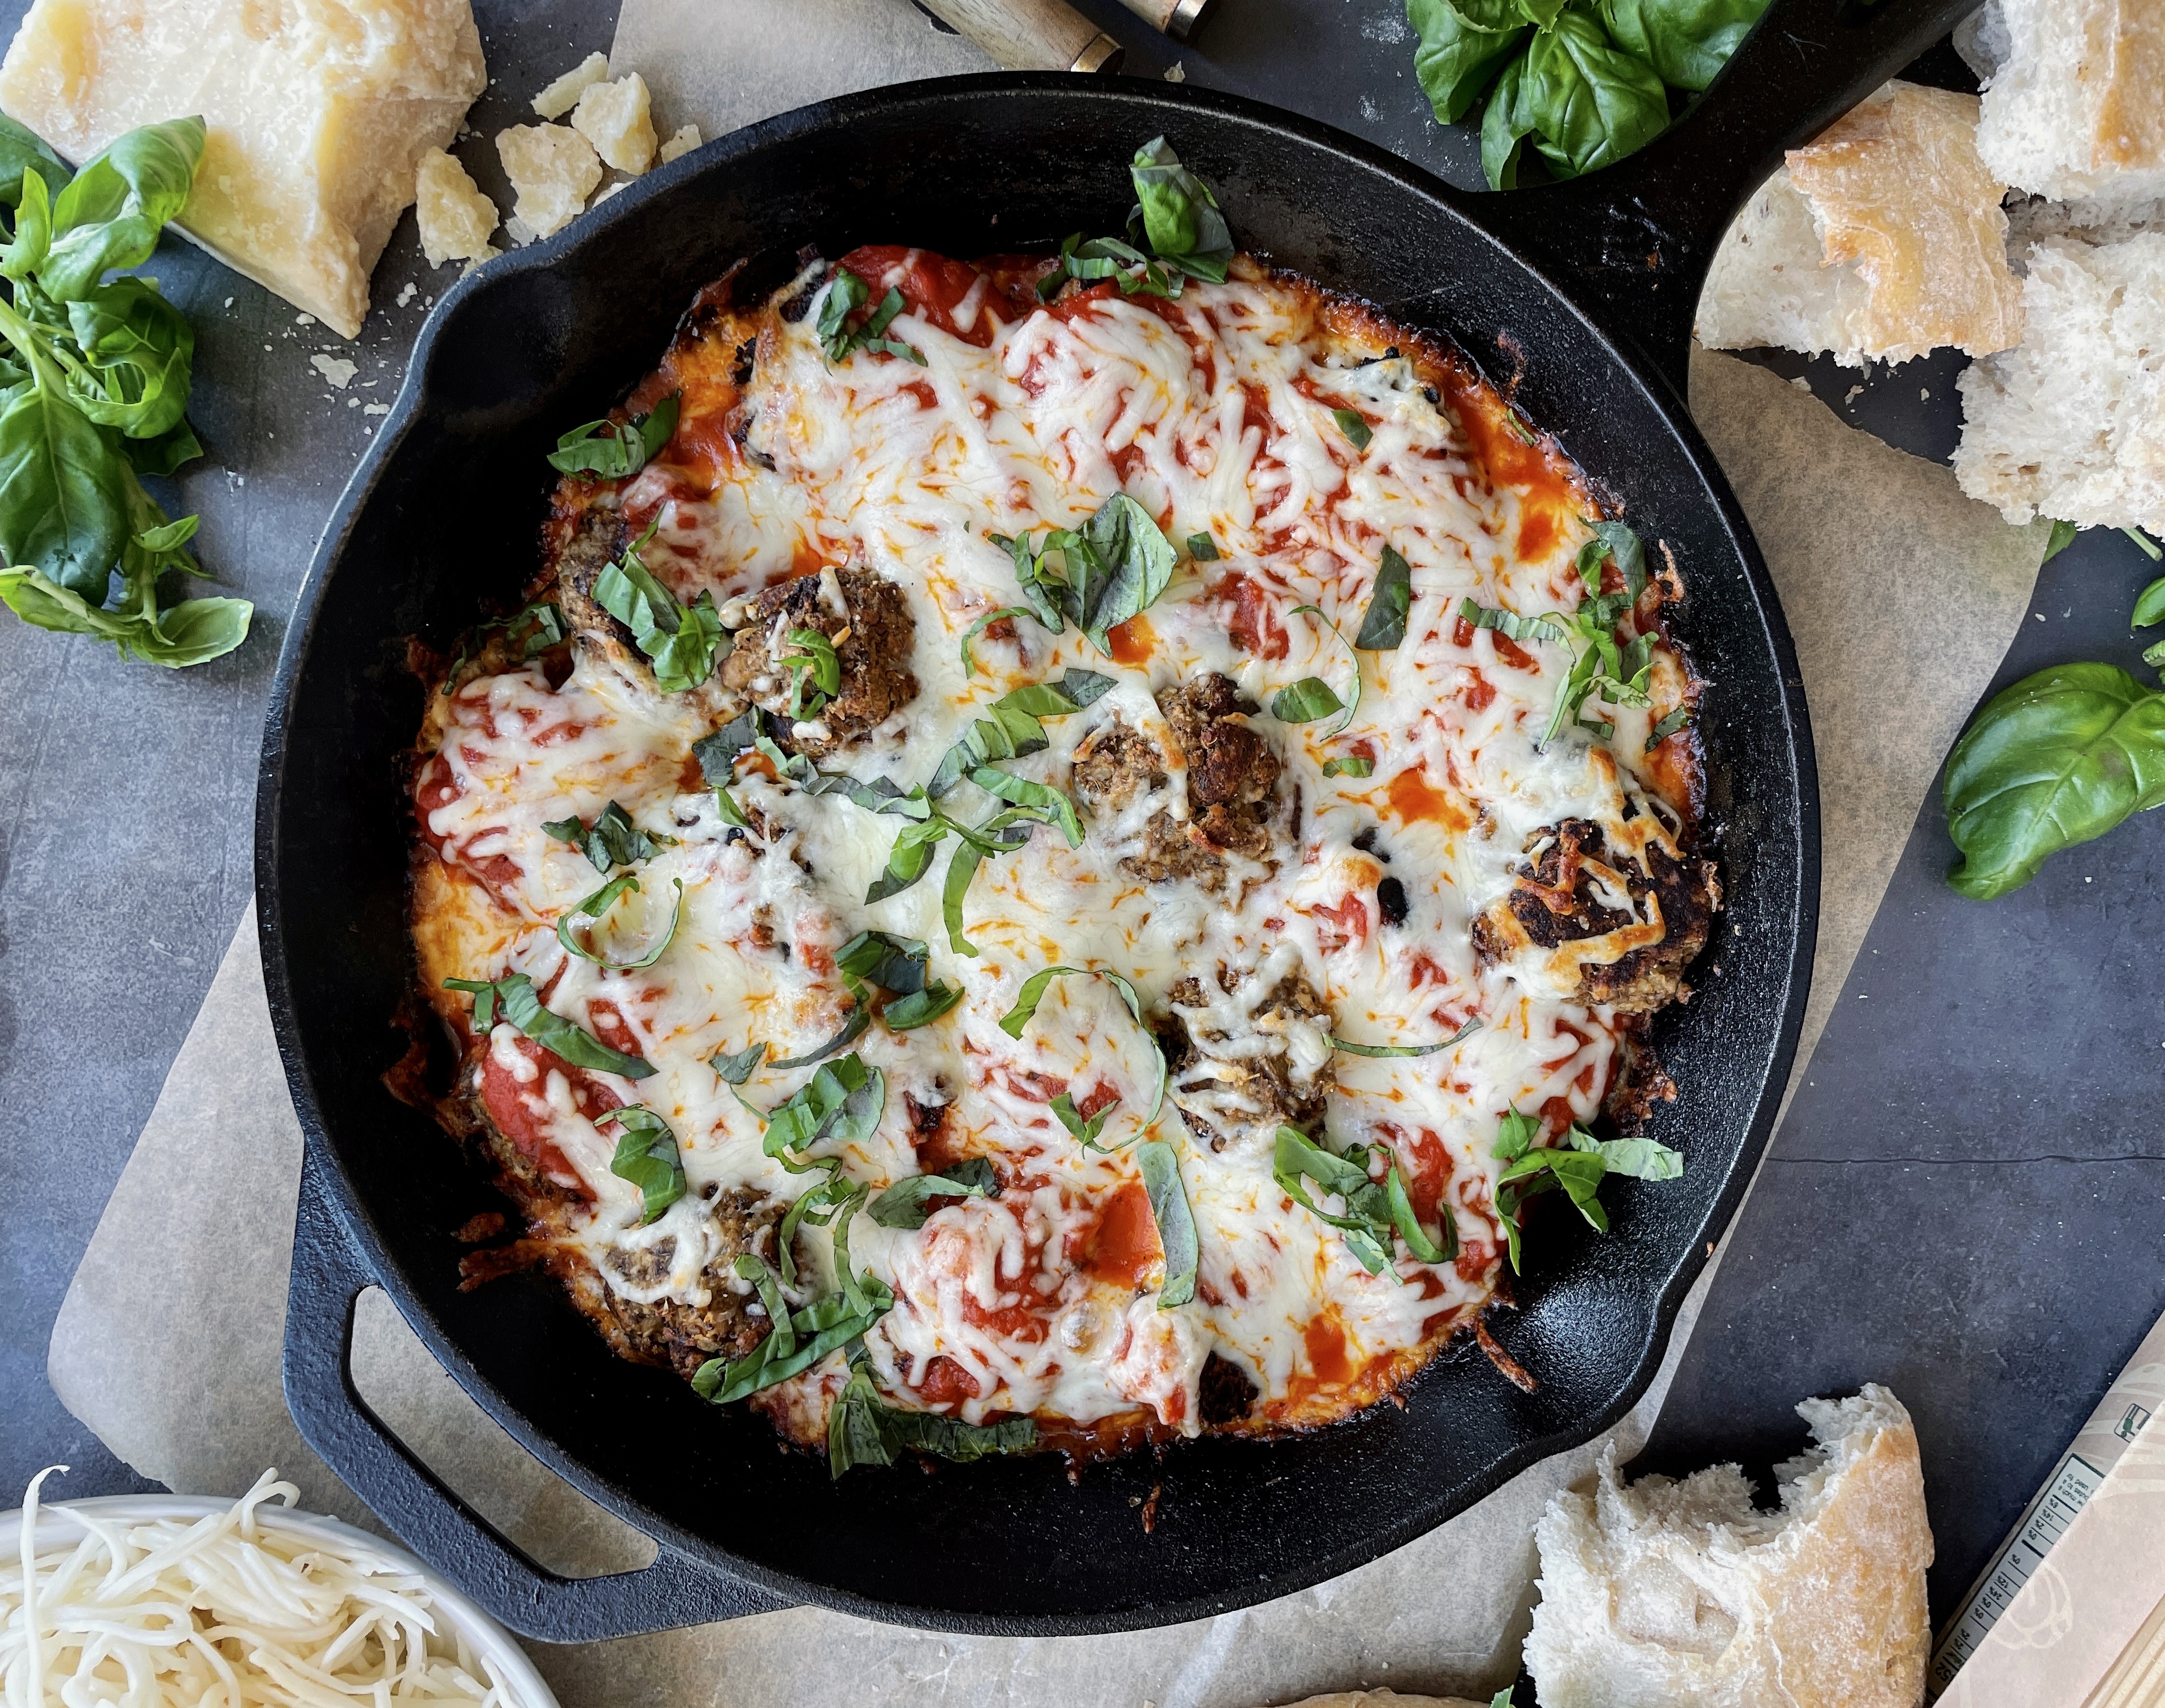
328 1276
1031 35
1633 242
1177 19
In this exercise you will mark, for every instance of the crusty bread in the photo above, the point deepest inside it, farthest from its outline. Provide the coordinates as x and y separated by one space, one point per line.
1383 1698
1883 239
2072 108
1669 1594
2070 424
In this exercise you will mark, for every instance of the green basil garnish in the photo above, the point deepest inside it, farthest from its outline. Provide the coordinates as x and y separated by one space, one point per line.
853 1027
1584 101
1667 725
613 841
1176 1221
895 964
2149 605
846 293
1614 540
1352 701
903 1204
1351 765
984 623
1305 701
811 662
1512 625
863 1429
1017 1018
532 631
1579 1166
1041 797
615 450
1203 548
1389 601
684 642
647 1156
826 1326
1375 1210
2148 547
520 1004
599 903
921 1007
843 1100
1014 729
1111 568
1355 426
1084 1132
1177 215
738 1068
2061 537
1380 1050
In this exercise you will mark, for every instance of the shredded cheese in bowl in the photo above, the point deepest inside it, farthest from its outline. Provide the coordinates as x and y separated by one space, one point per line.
155 1601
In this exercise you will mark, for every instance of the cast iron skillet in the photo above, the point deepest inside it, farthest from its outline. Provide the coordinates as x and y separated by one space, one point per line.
1582 292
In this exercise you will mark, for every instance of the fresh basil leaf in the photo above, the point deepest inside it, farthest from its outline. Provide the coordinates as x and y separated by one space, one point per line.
2061 537
1641 1159
895 964
738 1068
984 623
1407 1222
110 215
1510 623
1017 1018
1133 563
521 1005
1591 103
138 351
1042 796
909 859
186 633
682 641
852 1028
647 1156
1686 42
921 1007
64 491
1014 729
21 150
2059 758
863 1429
483 991
1667 725
1305 701
817 672
1619 541
845 294
1354 426
1084 1131
25 251
613 841
1505 126
827 1327
844 1100
1389 602
1460 1035
1514 1133
1374 1209
1178 214
2149 605
1203 548
1350 765
599 903
1457 60
717 752
904 1204
168 451
615 450
751 1267
1176 1221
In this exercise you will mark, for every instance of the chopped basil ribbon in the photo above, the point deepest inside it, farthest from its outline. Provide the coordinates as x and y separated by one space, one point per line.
921 1007
1375 1210
813 662
895 964
1354 426
1512 625
903 1204
751 1267
826 1326
984 623
844 1101
682 641
1352 765
515 998
1015 727
1176 1221
1305 701
599 903
1460 1035
1203 548
1032 993
613 450
647 1156
1353 701
1111 568
738 1068
2059 539
1175 214
1039 797
1669 723
862 1429
1094 259
1389 601
1579 1167
846 293
613 841
853 1026
1617 540
1083 1132
2148 547
1618 673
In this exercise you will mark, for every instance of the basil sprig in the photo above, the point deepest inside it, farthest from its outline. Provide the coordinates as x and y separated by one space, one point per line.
1350 765
615 450
1375 1210
94 379
612 839
599 903
1111 568
514 996
984 623
682 641
736 1068
1176 1221
1386 1050
1579 1166
1355 426
1311 697
1667 725
864 1429
844 1101
2058 758
903 1205
896 965
846 293
1176 217
647 1156
1017 1018
1390 600
826 1326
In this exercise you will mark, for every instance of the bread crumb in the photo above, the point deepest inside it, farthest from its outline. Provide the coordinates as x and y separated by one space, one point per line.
618 119
554 169
335 370
680 144
456 219
561 96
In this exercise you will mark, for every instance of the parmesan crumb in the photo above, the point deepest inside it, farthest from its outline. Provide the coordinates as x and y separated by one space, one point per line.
456 219
336 370
406 293
554 169
561 96
680 144
618 119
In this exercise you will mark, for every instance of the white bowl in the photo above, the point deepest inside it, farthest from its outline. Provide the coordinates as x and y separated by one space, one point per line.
522 1686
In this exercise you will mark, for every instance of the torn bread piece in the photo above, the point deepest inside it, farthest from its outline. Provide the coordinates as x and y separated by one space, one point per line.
456 219
561 96
553 170
618 119
1683 1595
2071 108
317 115
1882 239
2071 423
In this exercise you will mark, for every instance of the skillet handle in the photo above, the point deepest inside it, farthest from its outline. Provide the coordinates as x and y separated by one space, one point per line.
328 1276
1633 242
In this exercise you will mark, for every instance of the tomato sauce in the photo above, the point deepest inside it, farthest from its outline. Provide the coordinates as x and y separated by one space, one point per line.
952 295
520 1107
1123 1249
1412 798
1251 616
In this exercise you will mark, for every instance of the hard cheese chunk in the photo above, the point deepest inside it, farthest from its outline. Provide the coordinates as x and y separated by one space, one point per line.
318 111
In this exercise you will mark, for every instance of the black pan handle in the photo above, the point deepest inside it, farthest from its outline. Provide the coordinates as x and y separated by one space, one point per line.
328 1276
1632 243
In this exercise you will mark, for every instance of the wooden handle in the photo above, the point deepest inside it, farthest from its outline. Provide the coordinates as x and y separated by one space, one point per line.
1177 19
1031 35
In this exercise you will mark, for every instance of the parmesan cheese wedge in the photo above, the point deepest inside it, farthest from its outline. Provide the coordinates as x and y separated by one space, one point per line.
319 112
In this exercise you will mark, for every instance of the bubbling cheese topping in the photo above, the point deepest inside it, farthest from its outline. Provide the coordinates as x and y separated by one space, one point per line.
1217 414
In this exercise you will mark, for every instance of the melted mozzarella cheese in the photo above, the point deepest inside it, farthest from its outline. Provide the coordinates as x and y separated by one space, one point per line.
1216 412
